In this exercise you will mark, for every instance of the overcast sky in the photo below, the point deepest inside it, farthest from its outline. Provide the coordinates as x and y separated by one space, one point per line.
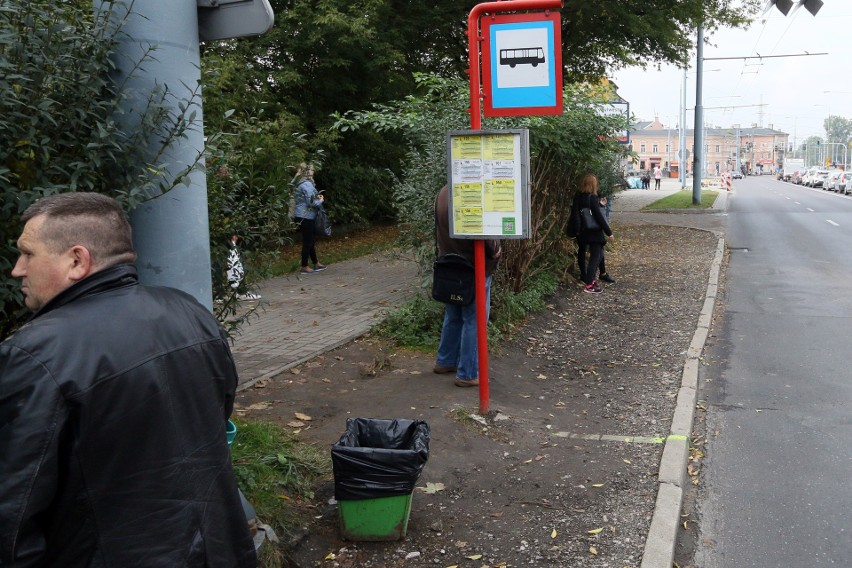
791 89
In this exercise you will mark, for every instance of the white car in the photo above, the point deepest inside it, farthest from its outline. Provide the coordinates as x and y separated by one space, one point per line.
831 181
844 184
818 179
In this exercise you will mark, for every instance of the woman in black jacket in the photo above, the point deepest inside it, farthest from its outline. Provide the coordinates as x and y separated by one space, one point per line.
593 239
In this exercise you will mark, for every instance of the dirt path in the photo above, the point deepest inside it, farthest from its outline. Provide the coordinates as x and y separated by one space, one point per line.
563 471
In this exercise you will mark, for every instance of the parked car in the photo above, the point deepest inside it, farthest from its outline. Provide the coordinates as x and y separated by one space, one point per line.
796 177
806 178
737 175
848 183
818 179
843 183
831 180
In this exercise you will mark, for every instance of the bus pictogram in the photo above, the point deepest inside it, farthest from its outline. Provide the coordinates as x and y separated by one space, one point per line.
522 56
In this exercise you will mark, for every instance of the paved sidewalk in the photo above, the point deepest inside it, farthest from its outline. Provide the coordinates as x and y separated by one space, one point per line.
303 316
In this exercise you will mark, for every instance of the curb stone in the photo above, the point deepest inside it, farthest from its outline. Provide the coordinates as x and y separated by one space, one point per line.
662 536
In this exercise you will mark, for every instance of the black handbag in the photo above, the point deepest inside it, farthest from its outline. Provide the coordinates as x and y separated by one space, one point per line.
322 226
453 280
588 220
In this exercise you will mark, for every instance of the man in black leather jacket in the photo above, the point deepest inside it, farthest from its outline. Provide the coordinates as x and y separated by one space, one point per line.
113 403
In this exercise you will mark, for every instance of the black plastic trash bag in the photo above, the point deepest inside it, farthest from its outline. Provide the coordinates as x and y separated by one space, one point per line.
379 458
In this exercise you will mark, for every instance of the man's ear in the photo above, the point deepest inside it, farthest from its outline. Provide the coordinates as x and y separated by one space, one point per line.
80 263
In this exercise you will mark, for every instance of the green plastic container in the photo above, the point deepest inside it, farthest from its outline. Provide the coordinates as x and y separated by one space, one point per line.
382 518
230 432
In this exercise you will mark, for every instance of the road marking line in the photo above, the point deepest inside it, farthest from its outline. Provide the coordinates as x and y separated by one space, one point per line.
624 439
809 209
797 203
832 222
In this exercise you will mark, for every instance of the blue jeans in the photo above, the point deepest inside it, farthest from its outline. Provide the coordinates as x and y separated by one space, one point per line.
458 347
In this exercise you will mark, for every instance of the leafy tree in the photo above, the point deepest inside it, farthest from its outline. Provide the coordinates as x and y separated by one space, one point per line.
327 56
838 130
59 130
562 149
811 149
608 34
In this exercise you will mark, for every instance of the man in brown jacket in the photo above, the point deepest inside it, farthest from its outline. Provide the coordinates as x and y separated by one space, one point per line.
457 350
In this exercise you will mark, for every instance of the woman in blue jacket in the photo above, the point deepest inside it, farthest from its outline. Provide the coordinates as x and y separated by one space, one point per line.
308 200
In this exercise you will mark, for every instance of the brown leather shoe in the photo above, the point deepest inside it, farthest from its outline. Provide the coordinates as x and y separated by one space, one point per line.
441 369
467 383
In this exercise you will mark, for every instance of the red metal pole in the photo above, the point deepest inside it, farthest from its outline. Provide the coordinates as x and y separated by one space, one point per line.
473 40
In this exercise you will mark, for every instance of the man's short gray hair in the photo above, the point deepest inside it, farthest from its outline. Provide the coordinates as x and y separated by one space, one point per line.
92 220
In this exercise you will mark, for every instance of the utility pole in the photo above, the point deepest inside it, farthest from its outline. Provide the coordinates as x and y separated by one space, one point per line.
681 171
171 231
697 168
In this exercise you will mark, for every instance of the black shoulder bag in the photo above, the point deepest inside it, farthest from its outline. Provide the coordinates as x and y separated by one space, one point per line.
453 280
587 219
453 276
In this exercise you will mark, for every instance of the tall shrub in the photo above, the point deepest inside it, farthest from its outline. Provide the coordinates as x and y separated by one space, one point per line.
58 126
562 148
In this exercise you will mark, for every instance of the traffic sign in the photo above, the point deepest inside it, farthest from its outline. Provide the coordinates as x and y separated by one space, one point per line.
522 64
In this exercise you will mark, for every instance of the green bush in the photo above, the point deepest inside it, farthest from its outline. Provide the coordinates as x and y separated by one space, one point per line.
63 124
562 149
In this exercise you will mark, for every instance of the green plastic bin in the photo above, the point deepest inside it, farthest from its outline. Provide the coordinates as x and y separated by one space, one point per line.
230 432
376 464
382 518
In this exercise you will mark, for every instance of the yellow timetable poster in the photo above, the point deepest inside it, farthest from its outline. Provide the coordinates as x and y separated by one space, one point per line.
500 195
488 179
498 147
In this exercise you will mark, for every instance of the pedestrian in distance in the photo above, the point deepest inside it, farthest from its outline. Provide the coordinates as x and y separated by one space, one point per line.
457 349
658 176
308 200
604 275
591 239
114 398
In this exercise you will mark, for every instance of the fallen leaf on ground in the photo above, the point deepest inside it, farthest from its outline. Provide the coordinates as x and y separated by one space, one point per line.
258 406
474 557
595 531
295 424
593 550
301 416
432 488
553 534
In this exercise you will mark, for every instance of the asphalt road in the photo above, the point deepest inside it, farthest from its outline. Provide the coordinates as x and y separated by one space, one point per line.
776 480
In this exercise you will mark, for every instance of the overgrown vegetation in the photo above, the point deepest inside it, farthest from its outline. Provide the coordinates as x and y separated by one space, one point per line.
530 268
277 474
63 126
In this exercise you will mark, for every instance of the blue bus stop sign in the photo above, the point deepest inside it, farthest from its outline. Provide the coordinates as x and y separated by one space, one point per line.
522 64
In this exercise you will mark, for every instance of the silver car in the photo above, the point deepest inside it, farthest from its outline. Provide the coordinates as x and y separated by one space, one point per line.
831 180
846 182
818 179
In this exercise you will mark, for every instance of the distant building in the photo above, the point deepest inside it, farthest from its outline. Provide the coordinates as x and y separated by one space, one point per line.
759 150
